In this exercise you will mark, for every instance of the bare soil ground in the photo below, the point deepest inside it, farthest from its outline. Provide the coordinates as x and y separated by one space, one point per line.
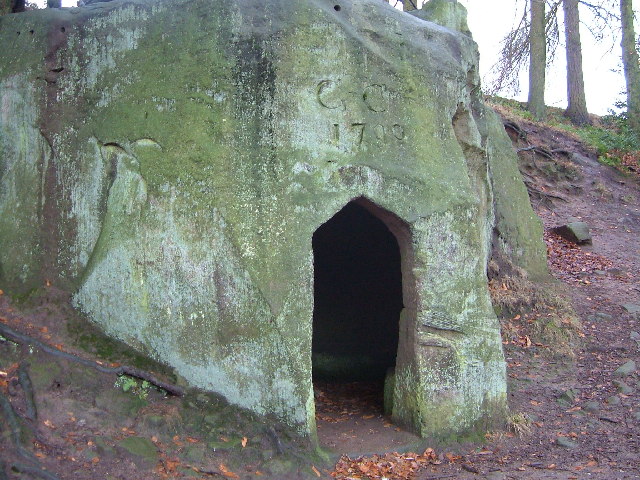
572 416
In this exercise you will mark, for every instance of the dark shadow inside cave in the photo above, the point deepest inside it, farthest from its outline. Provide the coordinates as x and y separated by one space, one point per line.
357 297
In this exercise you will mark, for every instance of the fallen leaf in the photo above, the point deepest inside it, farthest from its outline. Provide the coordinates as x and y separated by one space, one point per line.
95 459
171 465
316 471
226 472
451 457
244 442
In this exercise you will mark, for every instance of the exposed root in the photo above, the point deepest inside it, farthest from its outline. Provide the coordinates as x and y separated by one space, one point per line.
27 387
23 339
15 431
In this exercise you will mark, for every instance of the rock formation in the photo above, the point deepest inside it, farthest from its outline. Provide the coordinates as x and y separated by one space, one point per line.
174 164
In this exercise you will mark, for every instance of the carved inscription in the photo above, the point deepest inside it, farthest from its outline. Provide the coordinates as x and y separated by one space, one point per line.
377 127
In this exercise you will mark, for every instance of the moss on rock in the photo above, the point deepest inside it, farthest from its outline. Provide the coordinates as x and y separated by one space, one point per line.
186 152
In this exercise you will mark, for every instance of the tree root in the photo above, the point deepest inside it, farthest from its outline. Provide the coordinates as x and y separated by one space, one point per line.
516 128
27 387
15 432
23 339
537 149
34 471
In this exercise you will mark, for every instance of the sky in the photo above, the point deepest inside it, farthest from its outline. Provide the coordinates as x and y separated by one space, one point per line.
490 20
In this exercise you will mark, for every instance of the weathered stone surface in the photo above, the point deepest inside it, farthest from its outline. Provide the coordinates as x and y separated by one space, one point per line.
576 232
565 442
626 369
143 451
448 13
623 387
170 162
632 308
592 407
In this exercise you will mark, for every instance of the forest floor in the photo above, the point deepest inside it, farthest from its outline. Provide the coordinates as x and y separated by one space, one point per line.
575 413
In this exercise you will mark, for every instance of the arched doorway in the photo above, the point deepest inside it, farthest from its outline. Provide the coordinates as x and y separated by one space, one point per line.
357 297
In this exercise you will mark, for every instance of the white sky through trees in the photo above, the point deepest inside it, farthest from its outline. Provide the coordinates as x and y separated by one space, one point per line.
490 20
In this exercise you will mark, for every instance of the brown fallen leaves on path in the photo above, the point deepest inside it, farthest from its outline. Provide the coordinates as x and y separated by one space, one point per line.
570 262
396 466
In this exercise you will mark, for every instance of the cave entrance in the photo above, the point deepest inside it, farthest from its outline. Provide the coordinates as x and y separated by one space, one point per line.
357 304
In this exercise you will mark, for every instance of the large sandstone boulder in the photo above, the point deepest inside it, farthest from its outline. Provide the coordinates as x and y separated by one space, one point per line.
184 167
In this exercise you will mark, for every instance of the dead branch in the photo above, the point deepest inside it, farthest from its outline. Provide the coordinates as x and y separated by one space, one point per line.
121 370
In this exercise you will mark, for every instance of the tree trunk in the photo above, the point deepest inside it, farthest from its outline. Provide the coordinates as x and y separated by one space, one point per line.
631 64
409 5
577 104
537 60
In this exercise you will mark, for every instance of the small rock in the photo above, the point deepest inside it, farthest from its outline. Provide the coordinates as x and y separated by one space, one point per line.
613 400
626 369
600 317
616 272
635 336
144 452
637 415
568 397
495 476
592 407
600 272
576 232
623 388
632 308
582 160
565 442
